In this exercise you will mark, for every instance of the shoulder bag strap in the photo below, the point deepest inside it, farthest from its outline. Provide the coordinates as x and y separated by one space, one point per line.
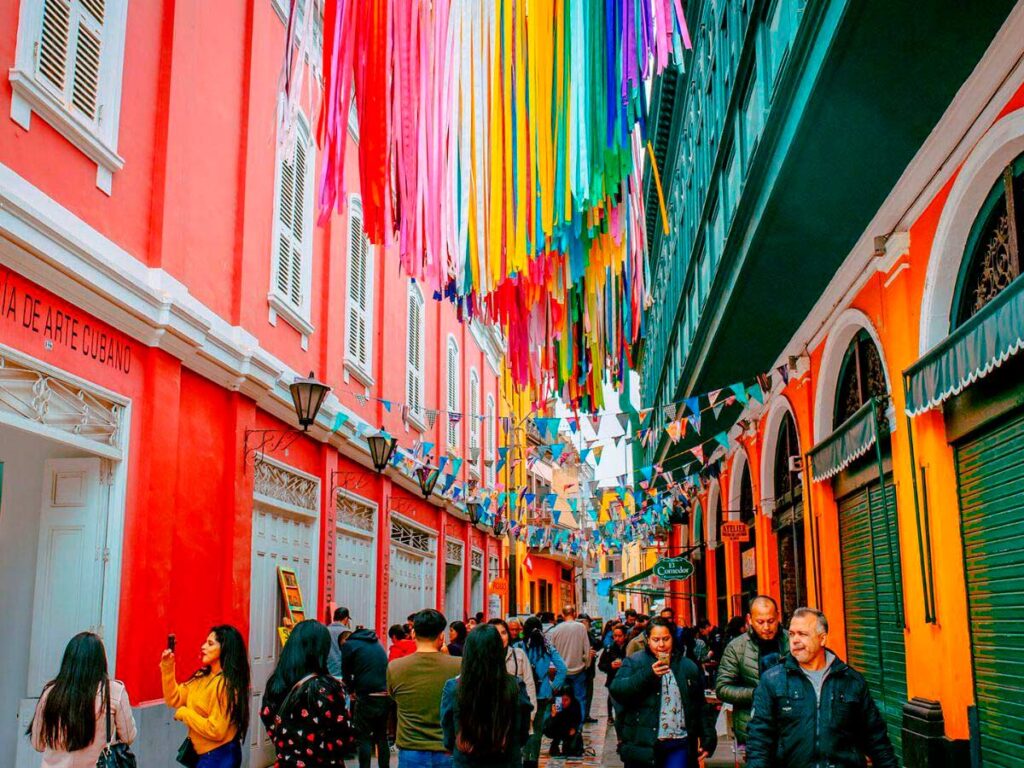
287 699
108 712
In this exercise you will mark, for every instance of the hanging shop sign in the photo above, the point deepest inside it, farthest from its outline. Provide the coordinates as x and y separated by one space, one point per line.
735 531
499 586
673 569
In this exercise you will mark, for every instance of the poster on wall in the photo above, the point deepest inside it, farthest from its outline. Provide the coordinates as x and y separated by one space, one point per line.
749 562
291 593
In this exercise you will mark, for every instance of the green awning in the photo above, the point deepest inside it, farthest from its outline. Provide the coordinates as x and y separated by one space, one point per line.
847 443
633 579
969 353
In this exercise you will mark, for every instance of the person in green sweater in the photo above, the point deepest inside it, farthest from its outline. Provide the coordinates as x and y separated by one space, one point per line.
415 683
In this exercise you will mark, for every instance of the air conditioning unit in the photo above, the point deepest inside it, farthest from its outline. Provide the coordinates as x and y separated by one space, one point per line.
796 463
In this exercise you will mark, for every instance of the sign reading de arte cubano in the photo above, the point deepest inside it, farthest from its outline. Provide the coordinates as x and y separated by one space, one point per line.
34 310
673 569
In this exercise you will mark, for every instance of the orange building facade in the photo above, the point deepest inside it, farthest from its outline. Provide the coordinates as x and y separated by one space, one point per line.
881 479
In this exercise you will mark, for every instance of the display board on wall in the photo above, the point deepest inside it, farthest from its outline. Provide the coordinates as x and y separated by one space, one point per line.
291 595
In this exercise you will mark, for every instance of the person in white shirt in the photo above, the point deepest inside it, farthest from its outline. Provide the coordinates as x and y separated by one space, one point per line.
572 642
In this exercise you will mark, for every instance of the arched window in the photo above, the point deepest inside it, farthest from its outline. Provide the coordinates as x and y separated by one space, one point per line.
787 482
861 377
746 496
992 256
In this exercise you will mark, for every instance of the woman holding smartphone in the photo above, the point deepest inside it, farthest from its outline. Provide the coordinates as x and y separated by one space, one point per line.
662 696
214 702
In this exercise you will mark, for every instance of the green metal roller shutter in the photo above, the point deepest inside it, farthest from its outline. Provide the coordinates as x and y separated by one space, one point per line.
873 599
990 479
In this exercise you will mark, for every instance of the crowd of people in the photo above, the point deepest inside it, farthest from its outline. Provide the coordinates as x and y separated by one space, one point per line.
484 693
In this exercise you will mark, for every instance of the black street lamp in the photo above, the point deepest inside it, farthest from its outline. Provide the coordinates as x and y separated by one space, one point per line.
381 449
308 395
473 508
427 477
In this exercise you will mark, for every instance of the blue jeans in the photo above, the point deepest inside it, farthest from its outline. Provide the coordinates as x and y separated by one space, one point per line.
579 690
416 758
225 756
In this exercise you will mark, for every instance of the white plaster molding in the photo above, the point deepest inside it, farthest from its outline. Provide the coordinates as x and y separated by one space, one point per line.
739 461
712 513
845 327
777 409
1003 142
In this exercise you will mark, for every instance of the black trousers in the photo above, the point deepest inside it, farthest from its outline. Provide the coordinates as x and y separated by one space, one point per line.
370 721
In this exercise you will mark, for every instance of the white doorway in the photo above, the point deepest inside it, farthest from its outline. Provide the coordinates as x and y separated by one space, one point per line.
454 580
61 518
412 584
285 533
355 563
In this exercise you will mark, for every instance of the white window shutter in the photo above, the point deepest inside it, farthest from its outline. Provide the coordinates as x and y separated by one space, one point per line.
293 223
474 411
85 85
54 41
492 431
358 291
453 394
414 363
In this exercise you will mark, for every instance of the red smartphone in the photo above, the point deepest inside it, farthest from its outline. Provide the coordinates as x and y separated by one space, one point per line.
170 642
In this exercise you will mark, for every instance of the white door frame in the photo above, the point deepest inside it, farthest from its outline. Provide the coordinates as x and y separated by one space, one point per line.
113 473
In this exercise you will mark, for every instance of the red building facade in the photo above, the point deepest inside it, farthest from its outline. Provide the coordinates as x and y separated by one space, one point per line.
163 281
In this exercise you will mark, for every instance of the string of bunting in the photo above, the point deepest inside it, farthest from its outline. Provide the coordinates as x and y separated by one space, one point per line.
501 153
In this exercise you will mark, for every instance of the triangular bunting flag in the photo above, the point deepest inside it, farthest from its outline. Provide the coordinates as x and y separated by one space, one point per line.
713 397
740 392
754 390
723 439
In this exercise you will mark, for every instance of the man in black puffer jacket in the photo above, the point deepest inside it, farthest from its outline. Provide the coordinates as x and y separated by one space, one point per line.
364 665
813 710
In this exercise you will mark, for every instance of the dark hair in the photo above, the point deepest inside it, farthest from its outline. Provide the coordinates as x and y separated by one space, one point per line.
668 609
234 663
460 630
305 653
656 622
398 632
340 614
428 624
69 715
735 627
411 618
630 612
485 730
496 622
479 617
533 636
702 623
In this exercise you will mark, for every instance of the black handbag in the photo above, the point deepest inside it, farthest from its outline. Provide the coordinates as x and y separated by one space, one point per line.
114 755
187 754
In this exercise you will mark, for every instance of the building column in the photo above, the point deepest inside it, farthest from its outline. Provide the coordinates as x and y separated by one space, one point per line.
383 500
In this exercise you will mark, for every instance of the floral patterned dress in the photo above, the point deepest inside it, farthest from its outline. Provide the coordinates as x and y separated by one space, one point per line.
309 729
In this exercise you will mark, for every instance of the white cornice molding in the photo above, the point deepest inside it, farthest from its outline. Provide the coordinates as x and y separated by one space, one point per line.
47 244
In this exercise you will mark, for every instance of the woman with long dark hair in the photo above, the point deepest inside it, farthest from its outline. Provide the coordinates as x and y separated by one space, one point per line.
456 637
214 702
516 661
485 712
69 725
549 676
303 700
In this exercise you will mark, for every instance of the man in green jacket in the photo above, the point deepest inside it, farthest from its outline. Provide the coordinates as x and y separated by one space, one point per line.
747 657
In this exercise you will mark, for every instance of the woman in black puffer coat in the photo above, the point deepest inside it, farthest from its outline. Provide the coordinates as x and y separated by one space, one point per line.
662 698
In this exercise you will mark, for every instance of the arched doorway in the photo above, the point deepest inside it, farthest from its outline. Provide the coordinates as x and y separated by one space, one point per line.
986 425
856 458
788 517
748 550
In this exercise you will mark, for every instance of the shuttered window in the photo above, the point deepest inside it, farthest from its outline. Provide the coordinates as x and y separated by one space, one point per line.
68 53
474 421
293 227
67 69
492 439
453 393
414 355
359 315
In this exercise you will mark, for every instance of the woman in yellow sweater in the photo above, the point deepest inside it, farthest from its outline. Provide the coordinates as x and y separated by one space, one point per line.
214 702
